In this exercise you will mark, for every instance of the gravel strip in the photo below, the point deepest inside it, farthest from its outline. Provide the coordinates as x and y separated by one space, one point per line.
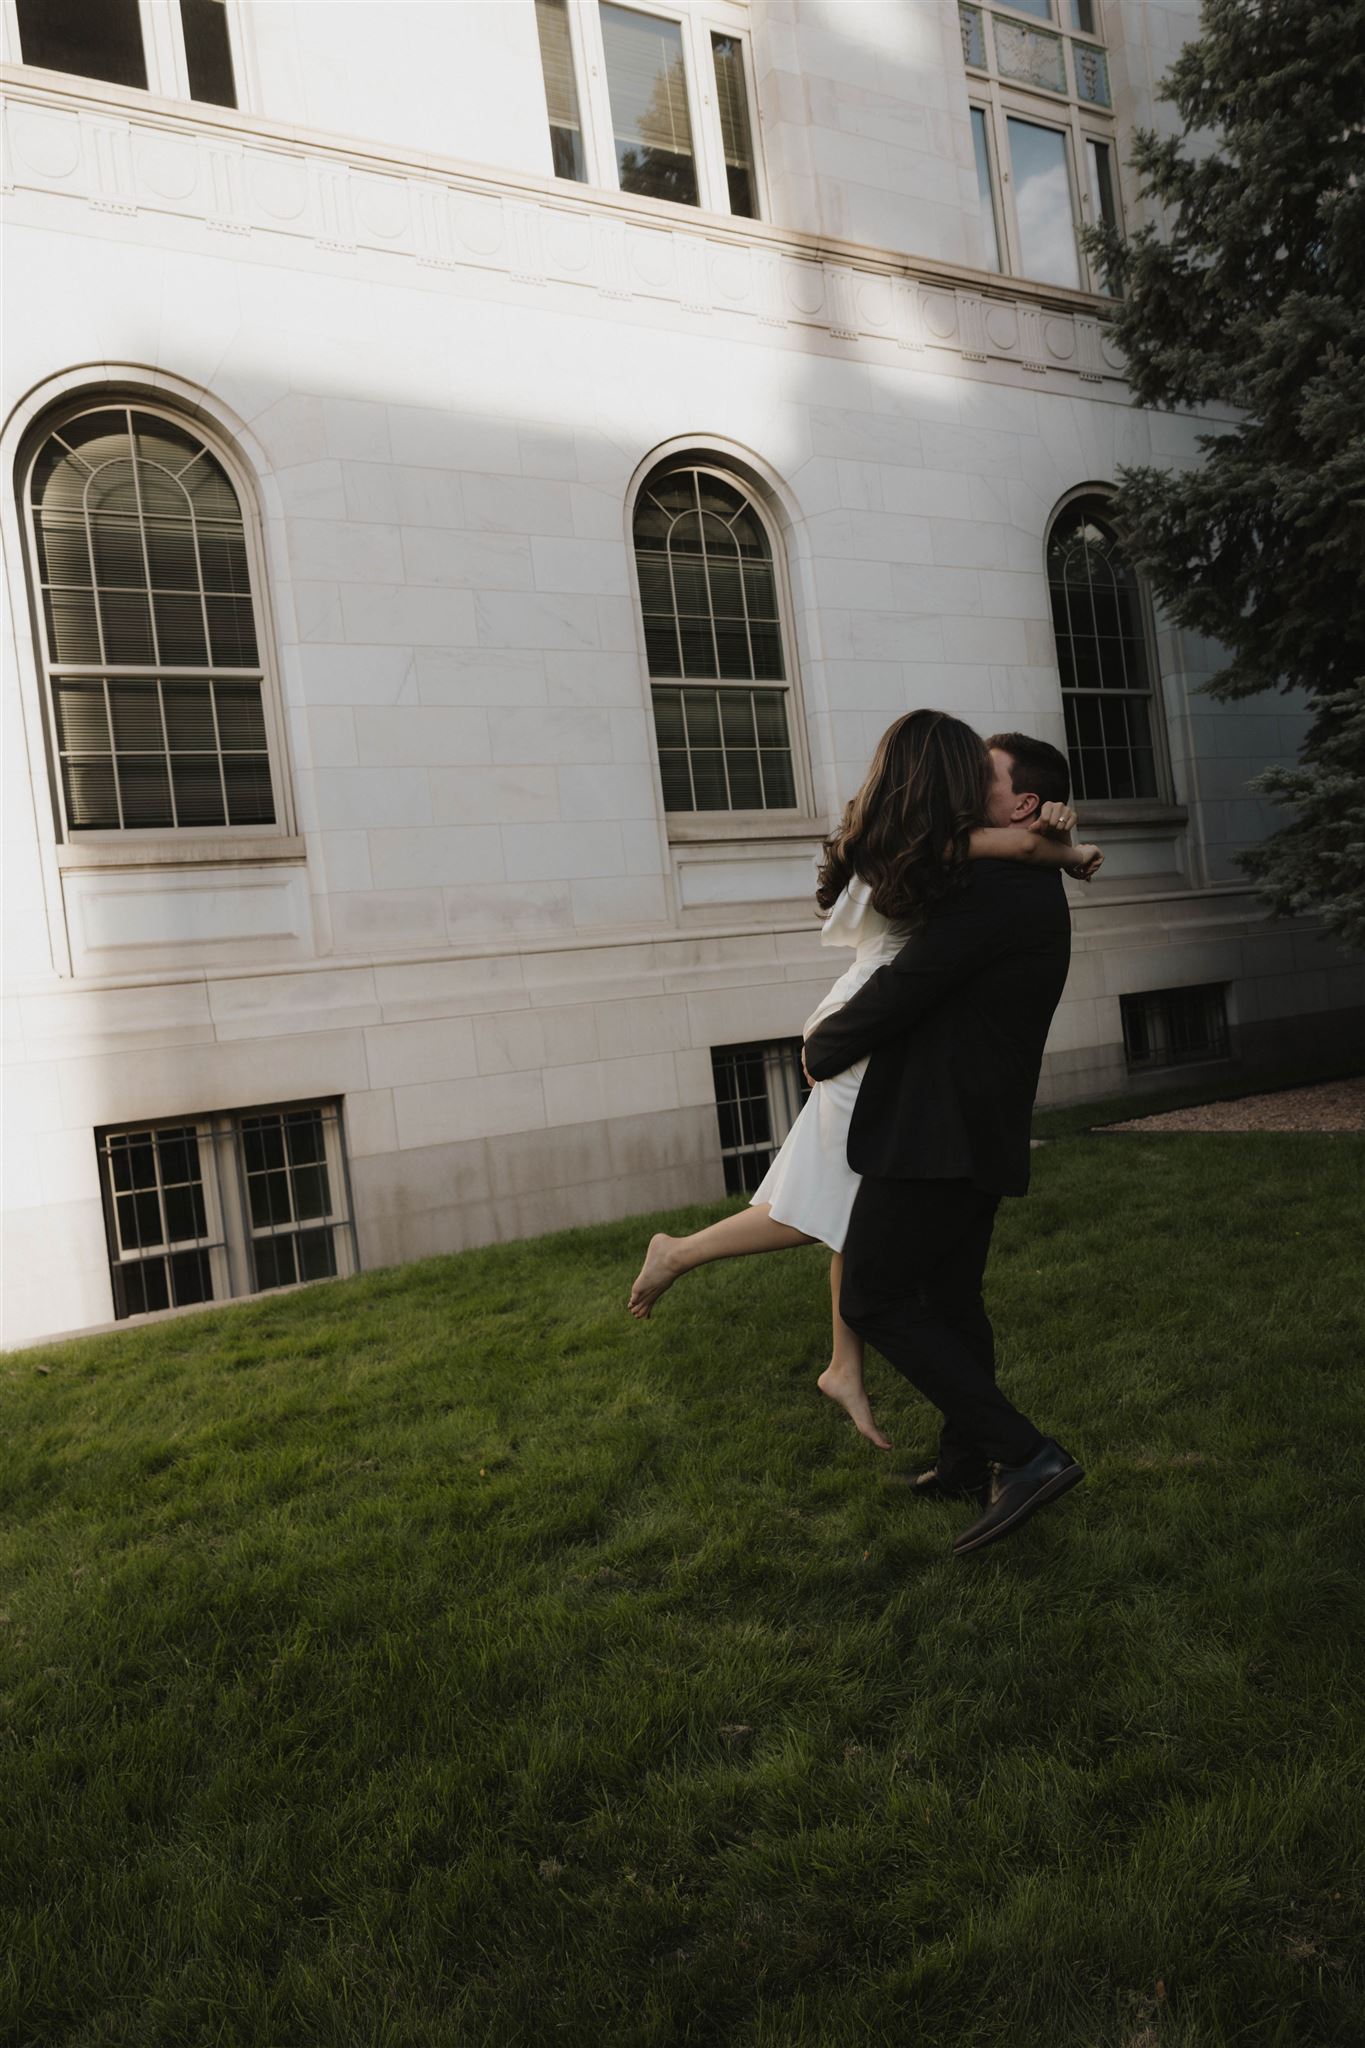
1329 1106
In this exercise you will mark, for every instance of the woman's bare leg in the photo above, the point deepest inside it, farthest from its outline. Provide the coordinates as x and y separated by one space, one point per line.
842 1378
734 1237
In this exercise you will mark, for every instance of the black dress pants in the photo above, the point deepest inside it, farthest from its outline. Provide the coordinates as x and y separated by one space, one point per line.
913 1264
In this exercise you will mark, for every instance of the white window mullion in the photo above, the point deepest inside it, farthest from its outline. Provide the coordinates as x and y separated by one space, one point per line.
594 100
712 186
164 45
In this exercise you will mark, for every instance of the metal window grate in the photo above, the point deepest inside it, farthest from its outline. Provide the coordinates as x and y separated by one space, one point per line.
759 1093
713 632
289 1196
160 1242
225 1205
1175 1027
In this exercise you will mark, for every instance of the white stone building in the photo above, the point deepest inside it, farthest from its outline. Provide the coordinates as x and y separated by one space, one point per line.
479 477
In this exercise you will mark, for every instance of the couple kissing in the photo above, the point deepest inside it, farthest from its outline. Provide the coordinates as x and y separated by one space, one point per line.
923 1059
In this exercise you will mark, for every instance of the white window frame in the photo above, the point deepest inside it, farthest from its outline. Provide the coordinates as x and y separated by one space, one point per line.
692 826
1121 806
170 841
1078 121
697 23
226 1208
163 51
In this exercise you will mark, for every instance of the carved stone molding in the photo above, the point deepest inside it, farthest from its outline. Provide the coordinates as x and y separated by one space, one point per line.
235 179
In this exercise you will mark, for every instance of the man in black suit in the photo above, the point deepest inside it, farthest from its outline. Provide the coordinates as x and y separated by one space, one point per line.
955 1026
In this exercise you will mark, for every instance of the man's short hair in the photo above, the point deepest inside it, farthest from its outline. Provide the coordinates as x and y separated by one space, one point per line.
1035 766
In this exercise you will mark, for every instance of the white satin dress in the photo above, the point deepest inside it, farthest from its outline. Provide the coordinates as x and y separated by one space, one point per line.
810 1184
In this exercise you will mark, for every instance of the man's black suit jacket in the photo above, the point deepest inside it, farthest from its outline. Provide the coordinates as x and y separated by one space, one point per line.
955 1026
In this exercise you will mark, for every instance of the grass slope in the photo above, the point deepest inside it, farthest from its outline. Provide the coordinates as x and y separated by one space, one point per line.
440 1658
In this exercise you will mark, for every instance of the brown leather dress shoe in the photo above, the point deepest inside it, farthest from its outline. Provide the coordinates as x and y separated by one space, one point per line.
1018 1491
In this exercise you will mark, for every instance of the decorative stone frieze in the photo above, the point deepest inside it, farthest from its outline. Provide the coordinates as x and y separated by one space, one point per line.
243 180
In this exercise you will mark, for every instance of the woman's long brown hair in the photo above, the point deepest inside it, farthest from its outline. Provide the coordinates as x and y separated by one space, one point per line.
906 831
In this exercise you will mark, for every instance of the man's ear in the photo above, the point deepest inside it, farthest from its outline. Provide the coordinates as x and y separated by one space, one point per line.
1027 804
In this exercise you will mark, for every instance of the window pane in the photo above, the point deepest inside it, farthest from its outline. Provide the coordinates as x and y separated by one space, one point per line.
1102 202
973 26
82 720
191 1277
127 622
1028 55
198 789
760 590
986 189
1042 201
63 551
118 551
185 1214
139 1289
241 717
145 788
648 91
708 779
746 786
661 647
311 1194
561 90
180 630
317 1254
732 103
770 715
73 632
93 38
779 784
1083 16
1092 75
733 659
1041 8
232 631
249 797
136 709
273 1258
222 554
189 717
171 556
766 643
703 718
208 53
91 801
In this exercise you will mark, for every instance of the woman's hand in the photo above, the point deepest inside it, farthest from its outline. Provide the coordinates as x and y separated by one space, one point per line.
1058 820
1084 864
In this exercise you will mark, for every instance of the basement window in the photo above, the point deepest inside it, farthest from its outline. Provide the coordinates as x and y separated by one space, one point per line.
208 1208
759 1093
1175 1027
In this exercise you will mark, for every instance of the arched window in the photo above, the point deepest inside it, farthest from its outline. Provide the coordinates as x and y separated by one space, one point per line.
1104 657
714 643
152 650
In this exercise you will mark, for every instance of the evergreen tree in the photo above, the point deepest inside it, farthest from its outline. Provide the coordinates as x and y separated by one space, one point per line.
1252 295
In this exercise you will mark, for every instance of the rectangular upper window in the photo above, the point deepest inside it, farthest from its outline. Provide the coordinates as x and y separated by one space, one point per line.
656 102
1043 137
651 125
115 40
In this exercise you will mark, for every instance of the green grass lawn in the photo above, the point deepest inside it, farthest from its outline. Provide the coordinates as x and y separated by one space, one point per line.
441 1658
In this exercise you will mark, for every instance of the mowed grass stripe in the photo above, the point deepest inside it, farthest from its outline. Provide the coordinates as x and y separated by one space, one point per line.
440 1657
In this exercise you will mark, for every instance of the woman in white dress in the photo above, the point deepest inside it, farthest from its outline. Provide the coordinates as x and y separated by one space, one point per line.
925 790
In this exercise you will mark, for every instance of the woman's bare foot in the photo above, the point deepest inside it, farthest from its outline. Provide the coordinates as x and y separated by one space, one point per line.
848 1390
655 1277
